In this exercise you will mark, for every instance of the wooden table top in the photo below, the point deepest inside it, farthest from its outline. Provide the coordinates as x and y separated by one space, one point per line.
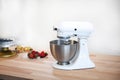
107 68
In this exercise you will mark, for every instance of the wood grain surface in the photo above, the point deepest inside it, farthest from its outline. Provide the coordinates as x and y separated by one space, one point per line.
107 68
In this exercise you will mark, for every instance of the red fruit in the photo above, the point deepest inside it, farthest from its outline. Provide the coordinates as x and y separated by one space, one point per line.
46 53
36 52
31 56
33 52
43 54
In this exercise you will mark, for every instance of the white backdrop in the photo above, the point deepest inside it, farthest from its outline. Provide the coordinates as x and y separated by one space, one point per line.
31 21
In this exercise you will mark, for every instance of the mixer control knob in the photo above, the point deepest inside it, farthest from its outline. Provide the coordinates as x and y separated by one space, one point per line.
75 29
75 34
55 28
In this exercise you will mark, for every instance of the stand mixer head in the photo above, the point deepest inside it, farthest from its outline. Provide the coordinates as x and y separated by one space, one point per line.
71 54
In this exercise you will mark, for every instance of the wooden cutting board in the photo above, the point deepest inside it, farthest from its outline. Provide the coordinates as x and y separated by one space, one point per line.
107 68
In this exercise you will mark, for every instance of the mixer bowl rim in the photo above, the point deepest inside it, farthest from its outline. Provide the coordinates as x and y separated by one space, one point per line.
53 42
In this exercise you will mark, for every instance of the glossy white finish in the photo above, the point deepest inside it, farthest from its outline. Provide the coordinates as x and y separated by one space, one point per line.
70 28
82 30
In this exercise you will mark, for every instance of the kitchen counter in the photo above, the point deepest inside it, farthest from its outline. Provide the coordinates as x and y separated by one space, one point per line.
107 68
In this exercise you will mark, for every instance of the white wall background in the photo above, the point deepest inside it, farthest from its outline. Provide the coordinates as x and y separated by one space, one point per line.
31 21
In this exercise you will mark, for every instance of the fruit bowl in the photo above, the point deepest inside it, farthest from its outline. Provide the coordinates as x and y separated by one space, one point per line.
6 52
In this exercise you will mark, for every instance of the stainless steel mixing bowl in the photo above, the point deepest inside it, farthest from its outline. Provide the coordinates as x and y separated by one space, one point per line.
63 51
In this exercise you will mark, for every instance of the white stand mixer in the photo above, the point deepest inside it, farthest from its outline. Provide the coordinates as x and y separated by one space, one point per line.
81 30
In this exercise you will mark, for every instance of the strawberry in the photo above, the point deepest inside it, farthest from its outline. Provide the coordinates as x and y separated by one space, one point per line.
43 54
35 53
46 53
31 56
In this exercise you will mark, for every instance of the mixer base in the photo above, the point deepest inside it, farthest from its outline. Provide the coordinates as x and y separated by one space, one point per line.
84 64
68 67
